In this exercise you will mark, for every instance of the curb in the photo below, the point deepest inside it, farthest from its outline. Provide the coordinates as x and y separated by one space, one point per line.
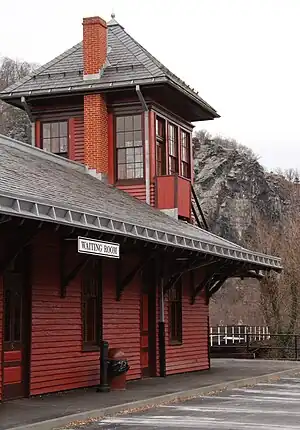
153 402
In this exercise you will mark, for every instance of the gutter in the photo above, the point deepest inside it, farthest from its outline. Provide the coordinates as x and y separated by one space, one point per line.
147 143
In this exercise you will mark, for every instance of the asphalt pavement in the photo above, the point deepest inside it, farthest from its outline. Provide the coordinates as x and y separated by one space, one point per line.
268 406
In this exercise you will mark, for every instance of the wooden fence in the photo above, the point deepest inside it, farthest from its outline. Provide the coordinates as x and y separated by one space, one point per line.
237 334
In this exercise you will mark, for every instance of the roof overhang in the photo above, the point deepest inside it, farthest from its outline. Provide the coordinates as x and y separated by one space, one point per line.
201 110
44 211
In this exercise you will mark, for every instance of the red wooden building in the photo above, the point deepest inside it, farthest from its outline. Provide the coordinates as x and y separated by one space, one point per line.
107 117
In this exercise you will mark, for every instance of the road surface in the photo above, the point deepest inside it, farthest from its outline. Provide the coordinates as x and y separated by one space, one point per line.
274 406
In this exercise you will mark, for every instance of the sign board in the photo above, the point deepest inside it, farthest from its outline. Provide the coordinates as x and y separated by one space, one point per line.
97 247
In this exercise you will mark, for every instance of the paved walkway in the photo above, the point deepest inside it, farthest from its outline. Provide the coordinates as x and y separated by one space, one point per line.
38 409
270 406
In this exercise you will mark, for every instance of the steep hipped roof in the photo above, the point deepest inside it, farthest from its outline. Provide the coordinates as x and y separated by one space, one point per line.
128 64
39 185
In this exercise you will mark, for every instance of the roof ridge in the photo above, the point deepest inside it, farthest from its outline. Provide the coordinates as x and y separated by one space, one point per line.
37 72
165 70
130 37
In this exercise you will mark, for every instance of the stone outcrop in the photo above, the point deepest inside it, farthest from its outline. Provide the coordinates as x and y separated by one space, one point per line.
233 188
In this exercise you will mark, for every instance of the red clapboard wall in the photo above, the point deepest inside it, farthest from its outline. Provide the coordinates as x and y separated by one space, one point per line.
79 139
1 332
57 360
192 354
139 191
121 319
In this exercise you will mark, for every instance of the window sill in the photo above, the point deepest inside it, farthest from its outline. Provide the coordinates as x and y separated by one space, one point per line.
175 342
90 348
130 182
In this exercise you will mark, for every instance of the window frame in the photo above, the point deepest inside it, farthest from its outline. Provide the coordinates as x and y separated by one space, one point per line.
184 163
160 142
178 288
129 181
172 157
92 268
58 121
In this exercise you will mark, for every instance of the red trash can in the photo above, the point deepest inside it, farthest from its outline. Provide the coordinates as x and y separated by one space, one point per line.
117 369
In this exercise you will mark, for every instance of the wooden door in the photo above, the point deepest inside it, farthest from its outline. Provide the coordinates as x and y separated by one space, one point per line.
145 335
14 352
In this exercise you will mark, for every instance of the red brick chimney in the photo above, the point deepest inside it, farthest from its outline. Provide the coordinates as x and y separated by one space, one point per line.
95 110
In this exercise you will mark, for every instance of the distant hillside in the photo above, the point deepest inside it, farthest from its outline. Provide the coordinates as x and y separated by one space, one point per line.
234 190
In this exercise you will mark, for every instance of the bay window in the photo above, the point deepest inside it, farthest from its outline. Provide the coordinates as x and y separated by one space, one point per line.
185 154
160 146
173 149
129 147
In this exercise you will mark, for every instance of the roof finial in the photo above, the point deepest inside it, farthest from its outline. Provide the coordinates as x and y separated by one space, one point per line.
113 15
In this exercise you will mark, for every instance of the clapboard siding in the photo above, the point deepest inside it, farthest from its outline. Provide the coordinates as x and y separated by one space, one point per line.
121 319
57 360
139 191
192 354
79 139
1 332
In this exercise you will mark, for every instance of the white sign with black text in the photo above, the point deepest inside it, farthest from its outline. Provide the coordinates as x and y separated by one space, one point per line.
97 247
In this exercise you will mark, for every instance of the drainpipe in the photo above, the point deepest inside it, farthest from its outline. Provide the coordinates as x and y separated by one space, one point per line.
147 150
29 114
161 331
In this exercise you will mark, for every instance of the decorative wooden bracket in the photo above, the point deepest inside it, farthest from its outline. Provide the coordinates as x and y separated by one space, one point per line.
17 247
66 278
121 284
203 285
216 286
172 281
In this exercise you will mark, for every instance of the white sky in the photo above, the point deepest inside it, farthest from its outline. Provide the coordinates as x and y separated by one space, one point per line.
241 55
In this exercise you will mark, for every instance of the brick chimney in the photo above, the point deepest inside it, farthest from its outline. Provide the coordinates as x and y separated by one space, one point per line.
95 110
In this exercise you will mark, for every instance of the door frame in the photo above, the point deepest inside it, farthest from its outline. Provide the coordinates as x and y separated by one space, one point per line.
26 332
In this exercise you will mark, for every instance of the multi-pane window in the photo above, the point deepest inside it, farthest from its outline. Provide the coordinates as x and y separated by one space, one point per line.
173 149
129 147
91 304
160 146
55 137
175 313
185 154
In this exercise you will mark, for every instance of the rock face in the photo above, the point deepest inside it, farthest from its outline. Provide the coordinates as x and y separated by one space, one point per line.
233 188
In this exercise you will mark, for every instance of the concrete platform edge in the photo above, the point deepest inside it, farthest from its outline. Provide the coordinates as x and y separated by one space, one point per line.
153 402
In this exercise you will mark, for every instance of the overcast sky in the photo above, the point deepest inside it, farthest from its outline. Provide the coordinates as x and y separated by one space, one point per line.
241 55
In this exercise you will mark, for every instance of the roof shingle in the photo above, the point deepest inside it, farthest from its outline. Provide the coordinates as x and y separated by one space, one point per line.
38 177
128 63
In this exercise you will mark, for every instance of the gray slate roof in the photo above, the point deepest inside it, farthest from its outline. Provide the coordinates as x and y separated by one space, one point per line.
128 64
40 185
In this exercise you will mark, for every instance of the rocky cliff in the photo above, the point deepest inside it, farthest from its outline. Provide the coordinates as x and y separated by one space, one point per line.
234 190
233 187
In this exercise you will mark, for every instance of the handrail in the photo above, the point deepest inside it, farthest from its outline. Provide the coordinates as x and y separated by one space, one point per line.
199 209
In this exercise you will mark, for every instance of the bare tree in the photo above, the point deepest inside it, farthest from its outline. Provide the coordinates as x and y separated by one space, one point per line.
291 174
13 121
280 294
203 137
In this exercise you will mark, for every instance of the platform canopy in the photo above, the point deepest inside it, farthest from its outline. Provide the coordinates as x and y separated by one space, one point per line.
38 185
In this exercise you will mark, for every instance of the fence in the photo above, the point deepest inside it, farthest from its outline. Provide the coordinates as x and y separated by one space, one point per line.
253 341
230 335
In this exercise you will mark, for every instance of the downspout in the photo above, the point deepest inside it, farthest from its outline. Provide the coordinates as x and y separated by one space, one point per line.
29 114
147 145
